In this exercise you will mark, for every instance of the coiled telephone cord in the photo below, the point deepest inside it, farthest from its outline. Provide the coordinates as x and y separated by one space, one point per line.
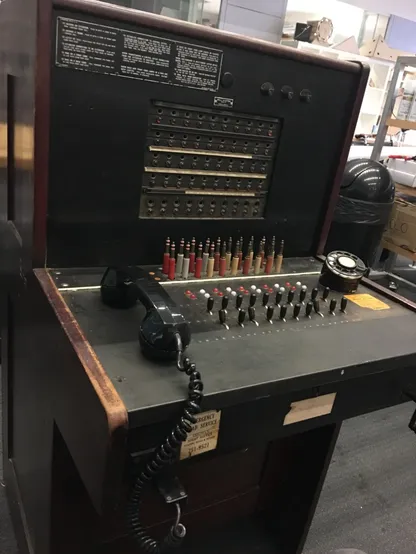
163 456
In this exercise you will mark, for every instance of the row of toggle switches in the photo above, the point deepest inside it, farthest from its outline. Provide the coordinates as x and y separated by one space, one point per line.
313 305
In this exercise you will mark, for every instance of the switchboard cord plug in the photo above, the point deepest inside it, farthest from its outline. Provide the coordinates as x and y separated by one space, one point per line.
162 457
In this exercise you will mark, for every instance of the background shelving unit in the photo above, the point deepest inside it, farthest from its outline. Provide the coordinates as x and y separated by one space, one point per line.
403 64
381 72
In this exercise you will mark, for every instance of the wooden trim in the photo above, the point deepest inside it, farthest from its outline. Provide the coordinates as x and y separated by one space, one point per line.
393 296
41 132
110 11
109 398
365 72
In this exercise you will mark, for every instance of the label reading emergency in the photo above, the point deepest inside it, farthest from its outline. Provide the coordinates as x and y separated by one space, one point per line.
87 46
204 435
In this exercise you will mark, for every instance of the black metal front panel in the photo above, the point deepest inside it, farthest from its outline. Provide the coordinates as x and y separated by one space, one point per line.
103 98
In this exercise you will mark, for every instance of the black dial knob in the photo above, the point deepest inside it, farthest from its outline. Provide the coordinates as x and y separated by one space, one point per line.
238 301
314 293
278 298
302 295
326 292
344 302
306 95
265 298
269 313
227 79
241 317
267 89
283 312
222 314
332 306
287 92
309 308
210 304
251 313
253 298
224 302
290 296
296 310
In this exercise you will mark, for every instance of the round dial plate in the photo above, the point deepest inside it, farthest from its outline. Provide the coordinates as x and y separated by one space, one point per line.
348 263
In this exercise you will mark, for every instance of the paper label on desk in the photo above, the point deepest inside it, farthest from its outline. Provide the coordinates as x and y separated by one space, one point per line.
368 301
204 435
310 408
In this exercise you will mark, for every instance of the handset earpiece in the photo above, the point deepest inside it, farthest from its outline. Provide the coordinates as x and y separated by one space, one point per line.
118 289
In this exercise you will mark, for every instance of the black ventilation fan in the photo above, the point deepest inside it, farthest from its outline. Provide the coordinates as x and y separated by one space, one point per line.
342 271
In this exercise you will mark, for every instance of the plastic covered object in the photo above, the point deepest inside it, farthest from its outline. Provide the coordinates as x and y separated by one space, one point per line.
351 210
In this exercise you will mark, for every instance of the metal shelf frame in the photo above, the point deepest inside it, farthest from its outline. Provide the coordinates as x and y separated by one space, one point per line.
392 93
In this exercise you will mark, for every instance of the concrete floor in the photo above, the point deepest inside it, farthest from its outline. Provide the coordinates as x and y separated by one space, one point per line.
369 499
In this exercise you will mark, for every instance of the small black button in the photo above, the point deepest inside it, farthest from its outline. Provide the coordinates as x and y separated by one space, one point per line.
306 95
267 89
287 92
227 79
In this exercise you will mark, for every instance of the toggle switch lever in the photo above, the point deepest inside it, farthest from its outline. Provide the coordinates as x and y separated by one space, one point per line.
325 294
210 304
332 306
222 314
317 308
241 318
302 294
296 311
252 315
290 297
314 293
269 313
238 301
283 312
265 298
344 302
224 302
278 298
308 310
253 298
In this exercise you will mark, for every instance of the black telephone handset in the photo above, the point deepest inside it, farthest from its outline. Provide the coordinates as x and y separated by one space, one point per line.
163 322
163 333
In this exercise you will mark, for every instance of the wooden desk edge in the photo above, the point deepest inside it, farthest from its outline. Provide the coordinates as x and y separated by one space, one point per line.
113 405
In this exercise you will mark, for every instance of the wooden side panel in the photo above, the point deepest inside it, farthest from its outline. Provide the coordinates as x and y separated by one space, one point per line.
52 389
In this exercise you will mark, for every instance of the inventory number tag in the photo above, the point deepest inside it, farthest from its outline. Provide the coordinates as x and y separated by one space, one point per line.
368 301
204 435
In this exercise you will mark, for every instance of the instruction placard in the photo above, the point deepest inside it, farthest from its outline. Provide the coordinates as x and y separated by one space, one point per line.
204 435
109 50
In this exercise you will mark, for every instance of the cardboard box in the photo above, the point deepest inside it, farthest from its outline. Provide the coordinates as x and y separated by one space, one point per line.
401 229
